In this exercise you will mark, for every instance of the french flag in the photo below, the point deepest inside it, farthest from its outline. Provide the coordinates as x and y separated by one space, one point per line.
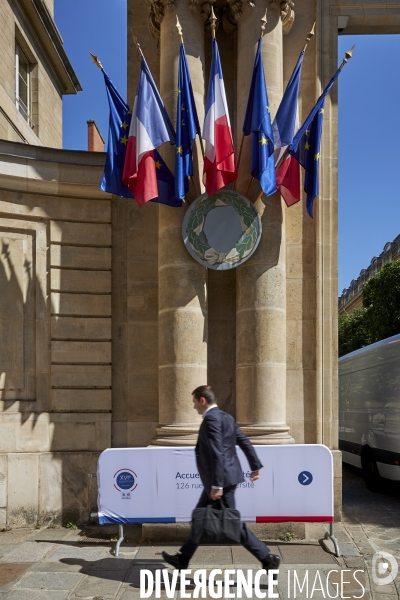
150 127
219 162
285 126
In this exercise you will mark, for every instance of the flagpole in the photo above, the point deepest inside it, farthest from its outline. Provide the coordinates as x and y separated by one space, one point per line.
135 40
347 56
96 61
309 36
264 22
179 28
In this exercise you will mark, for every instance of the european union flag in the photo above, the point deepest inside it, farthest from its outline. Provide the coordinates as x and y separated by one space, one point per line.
187 127
258 122
119 123
308 153
116 148
307 143
166 184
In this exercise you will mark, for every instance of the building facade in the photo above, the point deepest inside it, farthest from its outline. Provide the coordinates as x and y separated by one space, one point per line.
111 324
351 297
34 73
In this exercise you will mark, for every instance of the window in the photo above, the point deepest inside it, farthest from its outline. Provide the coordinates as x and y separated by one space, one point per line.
22 83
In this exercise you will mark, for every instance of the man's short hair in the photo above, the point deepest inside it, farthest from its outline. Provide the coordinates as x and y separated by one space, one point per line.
204 391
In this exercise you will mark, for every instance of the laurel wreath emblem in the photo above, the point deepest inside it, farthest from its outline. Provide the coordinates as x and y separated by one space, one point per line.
249 222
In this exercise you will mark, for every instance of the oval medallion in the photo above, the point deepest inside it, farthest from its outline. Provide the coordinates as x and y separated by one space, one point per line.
221 232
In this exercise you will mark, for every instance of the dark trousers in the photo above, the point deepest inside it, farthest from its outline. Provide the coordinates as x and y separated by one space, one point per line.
247 538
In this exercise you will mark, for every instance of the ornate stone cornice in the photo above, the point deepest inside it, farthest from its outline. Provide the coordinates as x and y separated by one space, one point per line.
228 14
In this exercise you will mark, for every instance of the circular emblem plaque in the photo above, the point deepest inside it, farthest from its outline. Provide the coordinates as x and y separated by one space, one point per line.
221 232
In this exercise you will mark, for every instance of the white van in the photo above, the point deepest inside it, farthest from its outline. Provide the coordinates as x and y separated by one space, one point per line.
369 410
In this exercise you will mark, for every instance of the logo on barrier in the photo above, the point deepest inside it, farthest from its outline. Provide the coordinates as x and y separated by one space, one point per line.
305 478
125 481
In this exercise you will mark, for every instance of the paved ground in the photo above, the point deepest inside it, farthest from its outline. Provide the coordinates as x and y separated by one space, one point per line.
53 564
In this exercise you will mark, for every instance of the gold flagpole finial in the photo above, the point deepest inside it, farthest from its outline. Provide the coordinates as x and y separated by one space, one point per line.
263 23
136 43
213 20
96 61
179 28
347 56
309 36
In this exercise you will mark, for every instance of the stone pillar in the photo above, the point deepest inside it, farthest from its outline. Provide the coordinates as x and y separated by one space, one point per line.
261 281
182 281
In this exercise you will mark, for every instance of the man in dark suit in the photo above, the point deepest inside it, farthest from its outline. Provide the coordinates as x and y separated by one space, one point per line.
220 472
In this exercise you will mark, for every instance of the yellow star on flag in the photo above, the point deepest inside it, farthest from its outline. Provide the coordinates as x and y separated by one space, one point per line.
316 156
267 107
179 149
306 146
307 131
124 140
264 141
158 164
124 125
183 122
129 112
321 111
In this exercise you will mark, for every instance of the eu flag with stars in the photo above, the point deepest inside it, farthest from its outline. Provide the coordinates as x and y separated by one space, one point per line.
187 127
117 131
258 122
306 145
307 154
120 119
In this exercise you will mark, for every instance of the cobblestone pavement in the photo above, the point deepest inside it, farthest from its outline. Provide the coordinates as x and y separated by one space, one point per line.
52 564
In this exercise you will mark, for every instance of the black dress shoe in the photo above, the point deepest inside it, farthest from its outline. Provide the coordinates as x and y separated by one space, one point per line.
179 561
272 562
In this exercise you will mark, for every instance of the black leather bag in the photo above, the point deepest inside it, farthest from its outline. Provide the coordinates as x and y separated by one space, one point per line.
214 525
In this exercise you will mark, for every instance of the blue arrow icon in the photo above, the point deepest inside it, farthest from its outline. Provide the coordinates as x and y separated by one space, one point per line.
305 478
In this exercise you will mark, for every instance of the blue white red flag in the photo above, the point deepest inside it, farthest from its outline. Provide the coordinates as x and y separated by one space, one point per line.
187 127
219 162
120 120
257 121
285 126
150 127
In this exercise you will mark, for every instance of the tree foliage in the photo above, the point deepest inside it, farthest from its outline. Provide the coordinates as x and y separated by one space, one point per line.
379 318
381 298
353 331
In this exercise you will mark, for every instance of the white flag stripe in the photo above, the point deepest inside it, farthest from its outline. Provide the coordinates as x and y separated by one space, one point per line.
217 110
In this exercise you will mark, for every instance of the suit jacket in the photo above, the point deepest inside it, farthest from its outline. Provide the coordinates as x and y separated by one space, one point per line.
216 457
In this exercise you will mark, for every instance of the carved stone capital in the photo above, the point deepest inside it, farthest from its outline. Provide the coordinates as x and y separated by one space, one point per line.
156 15
286 8
228 14
287 15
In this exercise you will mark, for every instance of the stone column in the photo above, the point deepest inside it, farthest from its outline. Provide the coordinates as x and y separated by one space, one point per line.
182 281
261 281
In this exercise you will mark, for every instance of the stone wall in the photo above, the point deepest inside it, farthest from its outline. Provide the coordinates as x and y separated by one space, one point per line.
55 327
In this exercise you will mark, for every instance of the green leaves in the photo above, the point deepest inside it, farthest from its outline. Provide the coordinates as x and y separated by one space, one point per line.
381 298
380 316
353 331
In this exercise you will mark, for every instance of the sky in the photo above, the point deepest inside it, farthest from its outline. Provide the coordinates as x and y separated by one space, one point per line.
369 120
